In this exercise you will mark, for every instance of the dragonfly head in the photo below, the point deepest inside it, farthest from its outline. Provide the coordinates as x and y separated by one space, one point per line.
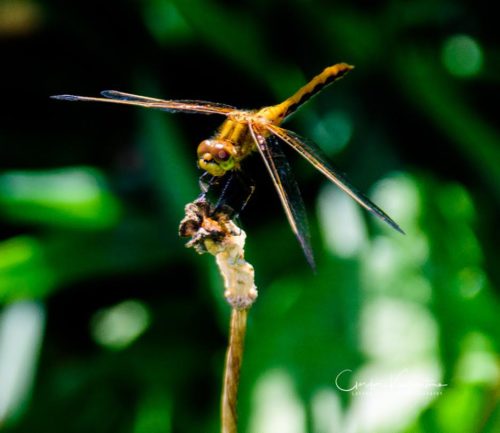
215 156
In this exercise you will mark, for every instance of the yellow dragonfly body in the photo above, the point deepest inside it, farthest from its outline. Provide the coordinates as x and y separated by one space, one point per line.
247 131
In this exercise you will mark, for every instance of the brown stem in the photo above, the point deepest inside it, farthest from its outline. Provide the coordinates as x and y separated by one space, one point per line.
234 357
211 230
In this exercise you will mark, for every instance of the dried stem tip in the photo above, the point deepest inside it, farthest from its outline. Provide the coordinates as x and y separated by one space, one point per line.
212 230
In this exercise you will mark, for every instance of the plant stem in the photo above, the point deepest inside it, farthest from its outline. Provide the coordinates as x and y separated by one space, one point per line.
212 230
234 356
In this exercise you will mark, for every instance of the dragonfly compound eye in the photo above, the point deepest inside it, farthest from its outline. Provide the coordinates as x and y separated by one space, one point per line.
215 157
222 155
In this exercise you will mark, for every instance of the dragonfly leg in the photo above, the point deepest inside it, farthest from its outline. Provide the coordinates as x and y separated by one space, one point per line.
205 182
247 183
236 192
230 192
213 190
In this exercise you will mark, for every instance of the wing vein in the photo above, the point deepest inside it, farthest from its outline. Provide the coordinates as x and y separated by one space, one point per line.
185 106
315 157
287 189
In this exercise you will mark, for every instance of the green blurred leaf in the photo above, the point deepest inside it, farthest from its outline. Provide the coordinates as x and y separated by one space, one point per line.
71 197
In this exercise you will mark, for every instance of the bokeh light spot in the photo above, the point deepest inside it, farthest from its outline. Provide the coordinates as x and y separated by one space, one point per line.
21 331
472 281
277 407
462 56
326 411
119 326
333 131
341 222
398 195
395 330
477 363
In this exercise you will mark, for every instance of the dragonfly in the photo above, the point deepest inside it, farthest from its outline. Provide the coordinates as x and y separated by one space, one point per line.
245 132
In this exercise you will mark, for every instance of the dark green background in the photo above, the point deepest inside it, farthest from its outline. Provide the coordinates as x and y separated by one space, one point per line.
412 120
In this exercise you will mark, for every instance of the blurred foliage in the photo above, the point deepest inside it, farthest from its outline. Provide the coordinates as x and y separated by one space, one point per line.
108 324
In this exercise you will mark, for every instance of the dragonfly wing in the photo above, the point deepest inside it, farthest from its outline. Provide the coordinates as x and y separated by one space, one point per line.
184 106
216 106
115 94
288 190
315 156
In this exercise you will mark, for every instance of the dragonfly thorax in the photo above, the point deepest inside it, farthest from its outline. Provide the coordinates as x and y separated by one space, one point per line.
215 156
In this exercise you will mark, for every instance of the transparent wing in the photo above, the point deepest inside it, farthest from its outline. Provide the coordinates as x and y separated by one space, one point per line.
288 191
217 107
315 156
184 106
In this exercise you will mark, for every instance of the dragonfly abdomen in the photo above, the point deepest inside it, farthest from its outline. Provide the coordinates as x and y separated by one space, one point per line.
318 83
